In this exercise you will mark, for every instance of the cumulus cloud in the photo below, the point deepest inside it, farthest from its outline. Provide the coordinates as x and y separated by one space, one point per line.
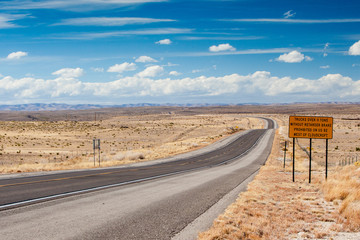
151 71
124 67
164 42
221 47
97 69
257 85
293 57
145 59
69 72
16 55
174 73
355 49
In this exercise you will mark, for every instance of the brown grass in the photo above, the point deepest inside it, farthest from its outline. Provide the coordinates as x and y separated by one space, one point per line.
345 186
57 145
274 207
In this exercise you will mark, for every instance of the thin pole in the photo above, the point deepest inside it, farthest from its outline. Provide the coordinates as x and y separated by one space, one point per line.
326 159
99 150
284 154
310 162
293 159
94 150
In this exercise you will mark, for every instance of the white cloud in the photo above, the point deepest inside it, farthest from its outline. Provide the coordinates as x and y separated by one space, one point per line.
174 73
221 47
69 72
16 55
145 59
164 42
169 64
92 35
286 20
110 21
325 67
97 69
308 59
151 71
6 20
289 14
258 85
293 57
78 5
124 67
355 49
325 49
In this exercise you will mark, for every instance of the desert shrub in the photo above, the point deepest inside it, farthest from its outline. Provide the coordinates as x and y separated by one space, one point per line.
135 156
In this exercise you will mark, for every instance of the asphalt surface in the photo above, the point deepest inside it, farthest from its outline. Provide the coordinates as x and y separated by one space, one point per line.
156 209
28 188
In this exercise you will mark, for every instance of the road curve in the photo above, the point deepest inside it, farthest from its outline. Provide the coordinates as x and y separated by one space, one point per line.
156 209
15 192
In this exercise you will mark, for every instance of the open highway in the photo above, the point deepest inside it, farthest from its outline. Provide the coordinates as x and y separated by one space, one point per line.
151 201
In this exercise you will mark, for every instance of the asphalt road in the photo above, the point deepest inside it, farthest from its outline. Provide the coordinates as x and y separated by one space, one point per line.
150 209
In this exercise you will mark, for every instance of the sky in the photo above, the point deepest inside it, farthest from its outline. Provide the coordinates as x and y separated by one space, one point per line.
173 51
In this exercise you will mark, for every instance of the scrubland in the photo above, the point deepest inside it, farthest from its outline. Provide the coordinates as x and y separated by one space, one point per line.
274 207
55 145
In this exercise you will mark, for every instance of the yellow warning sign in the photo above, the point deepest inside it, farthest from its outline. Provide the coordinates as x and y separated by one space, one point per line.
310 127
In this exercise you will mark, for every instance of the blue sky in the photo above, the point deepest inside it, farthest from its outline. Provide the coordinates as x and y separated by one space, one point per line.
172 51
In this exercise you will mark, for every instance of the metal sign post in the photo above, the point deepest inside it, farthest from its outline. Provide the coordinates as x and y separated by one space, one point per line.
96 145
326 159
310 161
285 154
310 127
293 160
99 150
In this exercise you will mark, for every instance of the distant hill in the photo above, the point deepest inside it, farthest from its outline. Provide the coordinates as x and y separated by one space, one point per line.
47 107
63 106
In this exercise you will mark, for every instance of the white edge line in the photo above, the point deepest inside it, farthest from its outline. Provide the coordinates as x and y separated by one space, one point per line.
36 200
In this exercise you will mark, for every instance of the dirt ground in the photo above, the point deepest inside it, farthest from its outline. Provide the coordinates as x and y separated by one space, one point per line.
274 207
55 145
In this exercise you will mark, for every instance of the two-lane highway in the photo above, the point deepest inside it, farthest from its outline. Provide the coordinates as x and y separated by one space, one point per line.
156 209
17 191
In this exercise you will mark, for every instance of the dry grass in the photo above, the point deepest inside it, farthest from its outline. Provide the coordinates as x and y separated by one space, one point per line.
345 186
56 145
274 207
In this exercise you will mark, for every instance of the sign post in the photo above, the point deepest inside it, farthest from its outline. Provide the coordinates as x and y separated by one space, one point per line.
310 161
285 154
310 127
293 160
96 145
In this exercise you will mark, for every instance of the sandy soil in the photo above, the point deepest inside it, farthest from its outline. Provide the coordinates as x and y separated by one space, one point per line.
276 208
54 145
273 207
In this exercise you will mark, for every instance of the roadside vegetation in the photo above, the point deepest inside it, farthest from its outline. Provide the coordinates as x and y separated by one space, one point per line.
274 207
27 146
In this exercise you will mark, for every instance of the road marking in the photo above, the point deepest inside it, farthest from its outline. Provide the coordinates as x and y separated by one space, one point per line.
57 179
41 199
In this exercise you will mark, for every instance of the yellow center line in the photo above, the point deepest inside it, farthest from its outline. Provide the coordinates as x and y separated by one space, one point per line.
57 179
